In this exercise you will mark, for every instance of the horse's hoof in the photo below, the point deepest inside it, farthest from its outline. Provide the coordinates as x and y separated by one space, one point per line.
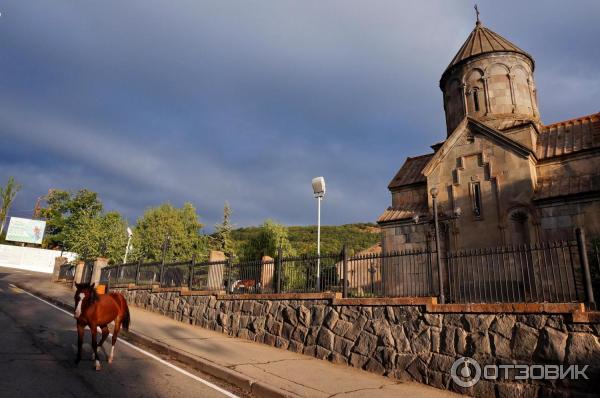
98 366
110 360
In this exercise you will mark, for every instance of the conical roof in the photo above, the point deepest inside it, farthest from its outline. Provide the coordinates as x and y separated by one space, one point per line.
482 41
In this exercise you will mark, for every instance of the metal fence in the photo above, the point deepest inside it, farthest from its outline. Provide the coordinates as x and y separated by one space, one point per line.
67 272
299 274
410 273
545 272
86 274
541 272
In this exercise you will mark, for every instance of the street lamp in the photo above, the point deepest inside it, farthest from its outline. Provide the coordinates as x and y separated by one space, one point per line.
434 194
318 185
129 235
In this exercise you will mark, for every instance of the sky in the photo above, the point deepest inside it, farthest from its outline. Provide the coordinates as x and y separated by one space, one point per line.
150 101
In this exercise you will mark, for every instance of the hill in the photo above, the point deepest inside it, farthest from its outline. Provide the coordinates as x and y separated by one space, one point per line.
304 238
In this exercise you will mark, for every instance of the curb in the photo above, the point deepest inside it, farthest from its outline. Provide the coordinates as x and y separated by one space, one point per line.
245 383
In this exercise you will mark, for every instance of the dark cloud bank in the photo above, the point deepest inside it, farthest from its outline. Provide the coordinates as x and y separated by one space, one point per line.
153 101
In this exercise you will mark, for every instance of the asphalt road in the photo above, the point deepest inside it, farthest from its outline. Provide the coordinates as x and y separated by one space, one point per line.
38 343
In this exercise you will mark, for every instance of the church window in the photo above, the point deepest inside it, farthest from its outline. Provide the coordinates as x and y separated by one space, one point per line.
476 100
476 198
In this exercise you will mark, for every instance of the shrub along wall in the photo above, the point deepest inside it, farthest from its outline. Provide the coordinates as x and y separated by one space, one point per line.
406 342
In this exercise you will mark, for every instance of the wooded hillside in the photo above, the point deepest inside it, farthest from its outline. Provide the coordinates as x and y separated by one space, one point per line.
304 238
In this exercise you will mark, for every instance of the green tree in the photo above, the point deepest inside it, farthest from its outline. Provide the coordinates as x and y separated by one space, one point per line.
182 226
266 242
7 196
63 210
222 237
93 236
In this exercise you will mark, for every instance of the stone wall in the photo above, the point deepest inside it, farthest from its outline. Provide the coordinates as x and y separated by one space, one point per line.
406 236
405 342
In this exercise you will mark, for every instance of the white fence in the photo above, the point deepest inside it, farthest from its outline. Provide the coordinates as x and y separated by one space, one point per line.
30 258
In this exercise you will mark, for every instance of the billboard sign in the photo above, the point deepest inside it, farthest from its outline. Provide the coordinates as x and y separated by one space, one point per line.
25 230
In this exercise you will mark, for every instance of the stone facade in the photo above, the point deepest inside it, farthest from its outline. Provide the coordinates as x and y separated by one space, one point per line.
404 342
503 176
491 88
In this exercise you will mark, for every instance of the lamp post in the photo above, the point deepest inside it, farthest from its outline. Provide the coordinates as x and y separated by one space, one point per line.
318 184
434 194
129 235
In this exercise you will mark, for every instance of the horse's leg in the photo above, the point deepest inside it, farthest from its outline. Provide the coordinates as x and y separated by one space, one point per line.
80 330
93 353
104 335
114 338
95 345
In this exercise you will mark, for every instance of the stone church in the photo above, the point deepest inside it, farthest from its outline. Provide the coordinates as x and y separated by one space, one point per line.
502 176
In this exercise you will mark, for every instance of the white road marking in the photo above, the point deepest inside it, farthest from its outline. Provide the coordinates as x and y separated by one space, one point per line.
15 289
170 365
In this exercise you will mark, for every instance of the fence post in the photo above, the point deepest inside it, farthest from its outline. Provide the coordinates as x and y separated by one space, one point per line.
99 264
279 268
191 272
345 271
58 262
118 273
589 292
137 271
165 247
434 193
162 271
229 269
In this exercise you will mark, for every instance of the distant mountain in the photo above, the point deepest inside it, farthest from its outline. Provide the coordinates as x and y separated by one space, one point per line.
304 238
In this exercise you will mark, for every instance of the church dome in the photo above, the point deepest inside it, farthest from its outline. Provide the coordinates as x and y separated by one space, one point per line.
489 79
483 41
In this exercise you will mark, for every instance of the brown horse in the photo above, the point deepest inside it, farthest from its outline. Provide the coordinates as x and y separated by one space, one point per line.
98 310
245 286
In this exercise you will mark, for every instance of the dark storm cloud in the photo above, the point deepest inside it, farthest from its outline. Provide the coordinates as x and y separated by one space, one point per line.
153 101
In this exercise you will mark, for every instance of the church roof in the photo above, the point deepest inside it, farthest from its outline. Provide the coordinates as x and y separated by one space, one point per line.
483 41
564 185
411 172
569 136
406 211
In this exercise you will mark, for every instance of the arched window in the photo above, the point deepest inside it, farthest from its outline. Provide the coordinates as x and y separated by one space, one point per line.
476 202
474 86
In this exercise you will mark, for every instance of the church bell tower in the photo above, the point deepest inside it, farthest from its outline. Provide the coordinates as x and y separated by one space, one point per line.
489 79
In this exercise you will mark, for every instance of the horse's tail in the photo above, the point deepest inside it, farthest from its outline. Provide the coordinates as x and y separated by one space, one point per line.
126 318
